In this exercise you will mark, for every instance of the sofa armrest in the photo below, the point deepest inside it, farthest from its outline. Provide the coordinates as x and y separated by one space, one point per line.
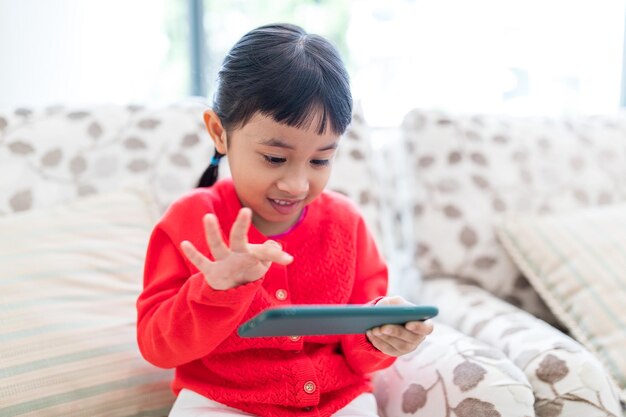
566 378
453 374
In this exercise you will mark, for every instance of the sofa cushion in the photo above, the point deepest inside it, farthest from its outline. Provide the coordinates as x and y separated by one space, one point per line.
56 154
351 174
468 170
577 263
69 280
566 379
453 374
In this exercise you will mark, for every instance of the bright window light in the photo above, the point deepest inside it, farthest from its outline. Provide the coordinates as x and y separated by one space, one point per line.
504 56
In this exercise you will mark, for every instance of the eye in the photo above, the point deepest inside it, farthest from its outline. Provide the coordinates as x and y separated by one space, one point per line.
274 160
320 162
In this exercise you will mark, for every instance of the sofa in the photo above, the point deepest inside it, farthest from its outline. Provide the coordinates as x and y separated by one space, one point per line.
513 227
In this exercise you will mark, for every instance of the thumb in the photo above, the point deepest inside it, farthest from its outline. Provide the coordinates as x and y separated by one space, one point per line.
270 251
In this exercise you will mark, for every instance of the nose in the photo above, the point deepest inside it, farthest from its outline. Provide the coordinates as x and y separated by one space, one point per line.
294 183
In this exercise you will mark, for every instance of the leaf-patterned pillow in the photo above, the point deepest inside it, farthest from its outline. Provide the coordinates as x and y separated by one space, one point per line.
468 170
351 173
57 154
453 374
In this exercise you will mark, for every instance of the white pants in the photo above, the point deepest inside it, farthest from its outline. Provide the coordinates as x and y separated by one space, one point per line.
190 404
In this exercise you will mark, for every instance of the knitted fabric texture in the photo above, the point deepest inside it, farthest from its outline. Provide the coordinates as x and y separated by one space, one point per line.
185 324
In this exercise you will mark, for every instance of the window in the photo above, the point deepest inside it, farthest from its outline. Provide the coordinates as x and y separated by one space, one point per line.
521 57
525 57
75 51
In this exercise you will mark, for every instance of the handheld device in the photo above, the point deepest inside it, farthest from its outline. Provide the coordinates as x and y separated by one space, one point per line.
303 320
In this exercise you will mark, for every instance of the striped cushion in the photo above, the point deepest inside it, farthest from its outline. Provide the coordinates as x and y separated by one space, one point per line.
69 279
577 263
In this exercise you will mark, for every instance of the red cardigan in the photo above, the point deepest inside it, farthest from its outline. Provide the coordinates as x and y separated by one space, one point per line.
185 324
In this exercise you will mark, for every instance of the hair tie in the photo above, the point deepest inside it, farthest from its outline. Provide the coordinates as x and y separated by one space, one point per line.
215 161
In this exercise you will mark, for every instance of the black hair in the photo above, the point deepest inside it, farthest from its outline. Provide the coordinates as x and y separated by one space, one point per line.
283 72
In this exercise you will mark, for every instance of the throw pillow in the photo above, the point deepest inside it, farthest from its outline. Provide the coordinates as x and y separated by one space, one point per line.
60 153
453 374
69 280
577 263
469 169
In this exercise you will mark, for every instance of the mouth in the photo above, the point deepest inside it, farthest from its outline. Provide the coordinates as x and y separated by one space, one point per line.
285 206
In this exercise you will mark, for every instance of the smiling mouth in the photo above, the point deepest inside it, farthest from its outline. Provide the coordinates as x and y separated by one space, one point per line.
285 206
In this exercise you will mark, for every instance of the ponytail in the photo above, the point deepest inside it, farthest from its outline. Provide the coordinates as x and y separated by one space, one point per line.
209 176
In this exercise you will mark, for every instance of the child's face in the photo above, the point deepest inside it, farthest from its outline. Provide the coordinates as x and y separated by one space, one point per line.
277 169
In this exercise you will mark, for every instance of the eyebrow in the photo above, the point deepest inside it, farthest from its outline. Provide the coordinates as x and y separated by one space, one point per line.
278 143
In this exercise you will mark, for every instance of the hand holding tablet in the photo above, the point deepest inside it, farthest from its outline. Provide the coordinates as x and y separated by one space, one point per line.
302 320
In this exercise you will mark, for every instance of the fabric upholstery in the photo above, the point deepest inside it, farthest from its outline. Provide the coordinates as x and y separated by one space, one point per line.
469 170
567 380
55 155
440 208
453 374
577 262
69 280
58 154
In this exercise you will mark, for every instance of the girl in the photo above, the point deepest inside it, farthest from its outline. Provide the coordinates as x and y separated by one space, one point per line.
268 236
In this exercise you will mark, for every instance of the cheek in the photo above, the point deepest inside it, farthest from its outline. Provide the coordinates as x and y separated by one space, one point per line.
257 177
254 180
320 180
245 168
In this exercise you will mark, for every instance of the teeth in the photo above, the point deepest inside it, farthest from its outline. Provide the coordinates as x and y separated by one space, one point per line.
282 203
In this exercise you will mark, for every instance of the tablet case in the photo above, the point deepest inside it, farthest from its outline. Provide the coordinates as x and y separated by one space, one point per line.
302 320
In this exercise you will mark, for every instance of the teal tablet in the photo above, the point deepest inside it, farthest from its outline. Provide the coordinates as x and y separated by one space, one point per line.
303 320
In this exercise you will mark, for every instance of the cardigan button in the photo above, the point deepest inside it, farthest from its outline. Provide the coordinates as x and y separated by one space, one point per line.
281 294
307 409
294 338
309 387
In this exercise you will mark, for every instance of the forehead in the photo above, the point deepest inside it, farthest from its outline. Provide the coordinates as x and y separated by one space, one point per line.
265 130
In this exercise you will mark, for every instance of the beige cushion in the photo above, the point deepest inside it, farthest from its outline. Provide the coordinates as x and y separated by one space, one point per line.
567 380
453 371
577 263
469 169
351 173
52 156
59 154
69 279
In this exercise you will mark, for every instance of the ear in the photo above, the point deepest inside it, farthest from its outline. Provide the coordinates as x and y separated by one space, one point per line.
216 130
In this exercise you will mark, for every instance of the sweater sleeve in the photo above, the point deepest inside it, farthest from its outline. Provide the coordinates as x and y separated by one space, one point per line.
180 318
370 286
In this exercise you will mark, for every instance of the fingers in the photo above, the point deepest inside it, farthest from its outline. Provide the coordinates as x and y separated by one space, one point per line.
396 340
195 257
271 251
239 231
265 253
392 345
213 237
382 345
421 327
411 332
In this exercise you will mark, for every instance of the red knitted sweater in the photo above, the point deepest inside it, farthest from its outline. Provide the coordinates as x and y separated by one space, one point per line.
185 324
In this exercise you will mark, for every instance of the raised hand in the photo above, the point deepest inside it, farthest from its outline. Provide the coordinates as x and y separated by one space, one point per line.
243 262
395 339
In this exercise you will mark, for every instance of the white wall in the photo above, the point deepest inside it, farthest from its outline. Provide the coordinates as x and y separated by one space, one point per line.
83 51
